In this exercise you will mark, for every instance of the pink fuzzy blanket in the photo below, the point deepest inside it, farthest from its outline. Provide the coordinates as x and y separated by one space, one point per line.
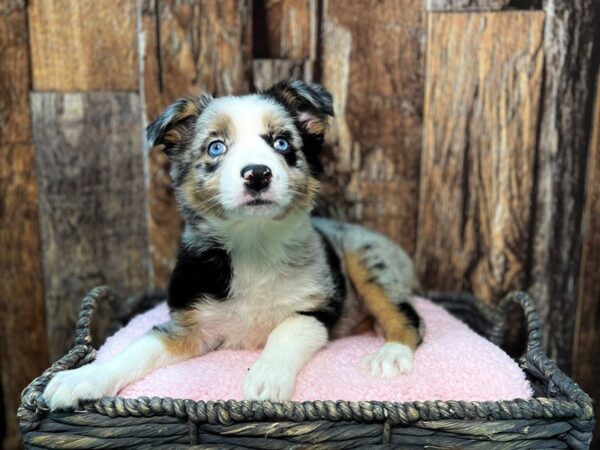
453 363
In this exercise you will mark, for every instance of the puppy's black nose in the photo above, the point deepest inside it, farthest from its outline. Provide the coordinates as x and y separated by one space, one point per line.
257 177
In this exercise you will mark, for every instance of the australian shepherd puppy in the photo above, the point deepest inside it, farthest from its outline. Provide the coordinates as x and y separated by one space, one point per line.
254 269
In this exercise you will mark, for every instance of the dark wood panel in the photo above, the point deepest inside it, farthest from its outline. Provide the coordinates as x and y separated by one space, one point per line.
373 60
569 75
23 342
92 202
191 47
586 358
285 29
83 45
478 165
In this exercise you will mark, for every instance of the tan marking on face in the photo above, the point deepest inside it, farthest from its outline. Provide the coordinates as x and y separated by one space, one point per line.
395 325
192 108
203 198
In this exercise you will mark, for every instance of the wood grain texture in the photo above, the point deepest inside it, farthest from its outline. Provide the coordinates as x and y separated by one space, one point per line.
477 173
190 47
92 201
467 5
570 73
285 29
23 342
373 57
586 357
267 72
83 45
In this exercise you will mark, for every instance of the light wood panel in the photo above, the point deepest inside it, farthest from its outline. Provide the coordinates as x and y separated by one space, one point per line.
480 135
83 45
372 61
23 342
267 72
285 29
92 202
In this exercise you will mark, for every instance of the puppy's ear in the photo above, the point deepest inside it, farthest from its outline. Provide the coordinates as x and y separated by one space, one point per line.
311 103
168 129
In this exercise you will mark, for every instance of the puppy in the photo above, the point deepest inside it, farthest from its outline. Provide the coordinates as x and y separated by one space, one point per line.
254 269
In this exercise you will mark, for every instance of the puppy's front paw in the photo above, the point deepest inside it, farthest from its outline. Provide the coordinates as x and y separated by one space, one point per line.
389 361
269 381
88 382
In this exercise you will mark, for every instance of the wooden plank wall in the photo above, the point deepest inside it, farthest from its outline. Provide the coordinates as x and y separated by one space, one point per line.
23 340
465 143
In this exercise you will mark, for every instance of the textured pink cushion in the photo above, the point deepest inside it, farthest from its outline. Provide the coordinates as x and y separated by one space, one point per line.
453 363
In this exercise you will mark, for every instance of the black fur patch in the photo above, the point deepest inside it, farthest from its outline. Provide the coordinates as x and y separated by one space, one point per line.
197 274
411 316
331 311
379 266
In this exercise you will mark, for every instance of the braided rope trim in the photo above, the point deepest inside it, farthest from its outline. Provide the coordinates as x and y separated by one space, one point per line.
567 401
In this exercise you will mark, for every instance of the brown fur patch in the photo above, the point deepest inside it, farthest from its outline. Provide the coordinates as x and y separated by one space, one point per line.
203 198
395 325
181 335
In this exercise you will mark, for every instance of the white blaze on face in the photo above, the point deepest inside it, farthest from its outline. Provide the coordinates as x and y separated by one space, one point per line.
249 116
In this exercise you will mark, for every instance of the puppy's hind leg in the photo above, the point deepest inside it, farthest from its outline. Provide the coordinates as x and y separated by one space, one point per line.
166 344
395 316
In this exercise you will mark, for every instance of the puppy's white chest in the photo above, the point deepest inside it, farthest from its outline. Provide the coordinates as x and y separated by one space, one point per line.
258 303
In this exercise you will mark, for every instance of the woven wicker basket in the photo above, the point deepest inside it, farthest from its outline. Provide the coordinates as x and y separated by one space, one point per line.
559 416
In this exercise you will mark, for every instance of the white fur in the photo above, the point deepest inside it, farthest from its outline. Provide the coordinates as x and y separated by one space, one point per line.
100 379
264 292
289 347
389 361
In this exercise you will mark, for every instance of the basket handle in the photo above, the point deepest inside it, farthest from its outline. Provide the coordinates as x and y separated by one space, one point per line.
535 359
534 328
88 306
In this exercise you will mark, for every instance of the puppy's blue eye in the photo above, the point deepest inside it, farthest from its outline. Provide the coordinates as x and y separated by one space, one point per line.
281 145
216 148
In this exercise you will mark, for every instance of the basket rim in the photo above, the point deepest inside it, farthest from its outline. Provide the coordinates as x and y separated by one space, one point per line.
576 404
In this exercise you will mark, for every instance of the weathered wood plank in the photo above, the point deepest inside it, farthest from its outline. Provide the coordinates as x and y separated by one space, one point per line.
267 72
92 202
373 56
481 5
467 5
285 29
586 358
568 99
190 47
23 342
481 116
84 45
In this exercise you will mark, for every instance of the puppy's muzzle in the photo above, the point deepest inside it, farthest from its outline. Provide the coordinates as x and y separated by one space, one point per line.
257 178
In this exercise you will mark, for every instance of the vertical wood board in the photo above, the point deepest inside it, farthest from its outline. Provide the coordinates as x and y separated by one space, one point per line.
285 29
266 72
372 62
23 342
83 45
466 5
586 358
568 98
92 201
190 48
478 165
